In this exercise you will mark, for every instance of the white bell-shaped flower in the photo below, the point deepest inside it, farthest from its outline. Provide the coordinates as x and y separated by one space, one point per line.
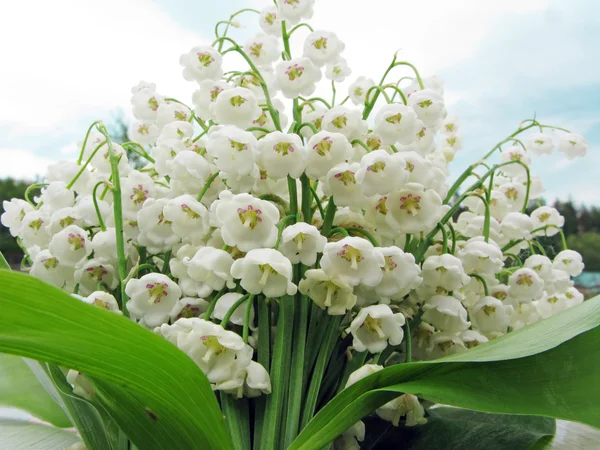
103 300
295 10
381 173
541 264
525 285
263 49
429 106
348 121
136 188
221 354
351 438
396 123
341 184
324 151
47 268
354 260
70 245
170 112
472 338
281 154
236 106
525 314
211 266
445 271
266 271
444 344
323 47
491 317
374 327
179 270
66 171
327 292
559 283
362 372
570 261
450 125
145 101
337 71
484 258
233 150
248 222
357 91
546 216
14 213
206 95
143 133
201 63
516 226
400 274
515 153
573 145
406 405
414 209
297 77
540 144
551 304
156 231
188 307
270 21
301 242
80 384
574 297
188 217
89 273
56 196
152 297
446 313
256 381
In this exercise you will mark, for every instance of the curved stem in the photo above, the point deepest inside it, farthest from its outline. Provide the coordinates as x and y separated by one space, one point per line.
78 174
231 310
314 99
96 207
246 329
31 188
318 201
408 341
207 185
398 91
365 233
300 25
339 230
213 303
281 226
515 257
87 135
306 124
453 233
361 143
487 220
329 215
483 282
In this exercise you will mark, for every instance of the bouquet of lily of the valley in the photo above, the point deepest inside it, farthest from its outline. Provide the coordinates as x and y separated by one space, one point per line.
284 270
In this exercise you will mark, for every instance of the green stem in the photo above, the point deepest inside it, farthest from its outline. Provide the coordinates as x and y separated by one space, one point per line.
78 174
246 329
31 188
293 191
235 306
213 303
306 124
453 233
207 185
408 341
362 144
515 257
328 219
314 99
487 218
338 230
96 207
286 40
281 226
138 149
118 216
237 419
87 135
333 91
398 91
300 25
318 202
365 233
483 282
306 199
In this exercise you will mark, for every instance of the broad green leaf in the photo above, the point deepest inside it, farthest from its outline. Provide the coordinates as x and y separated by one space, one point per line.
460 429
548 369
20 389
152 390
18 434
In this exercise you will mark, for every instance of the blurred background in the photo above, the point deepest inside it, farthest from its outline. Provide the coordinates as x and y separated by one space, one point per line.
66 63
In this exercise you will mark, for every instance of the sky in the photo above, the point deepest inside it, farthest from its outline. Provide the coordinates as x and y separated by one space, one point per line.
502 61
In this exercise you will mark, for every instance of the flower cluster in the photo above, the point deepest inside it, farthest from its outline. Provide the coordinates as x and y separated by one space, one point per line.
345 211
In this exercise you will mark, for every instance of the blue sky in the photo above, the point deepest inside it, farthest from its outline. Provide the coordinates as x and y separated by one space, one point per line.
502 61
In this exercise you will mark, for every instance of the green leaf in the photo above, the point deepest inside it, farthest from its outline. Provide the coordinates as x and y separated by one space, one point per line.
152 390
546 369
461 429
20 389
19 434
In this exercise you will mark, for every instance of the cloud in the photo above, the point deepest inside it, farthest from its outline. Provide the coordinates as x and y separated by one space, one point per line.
78 57
22 164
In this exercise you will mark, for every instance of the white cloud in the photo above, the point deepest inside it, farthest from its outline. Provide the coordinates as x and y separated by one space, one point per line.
22 164
66 58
